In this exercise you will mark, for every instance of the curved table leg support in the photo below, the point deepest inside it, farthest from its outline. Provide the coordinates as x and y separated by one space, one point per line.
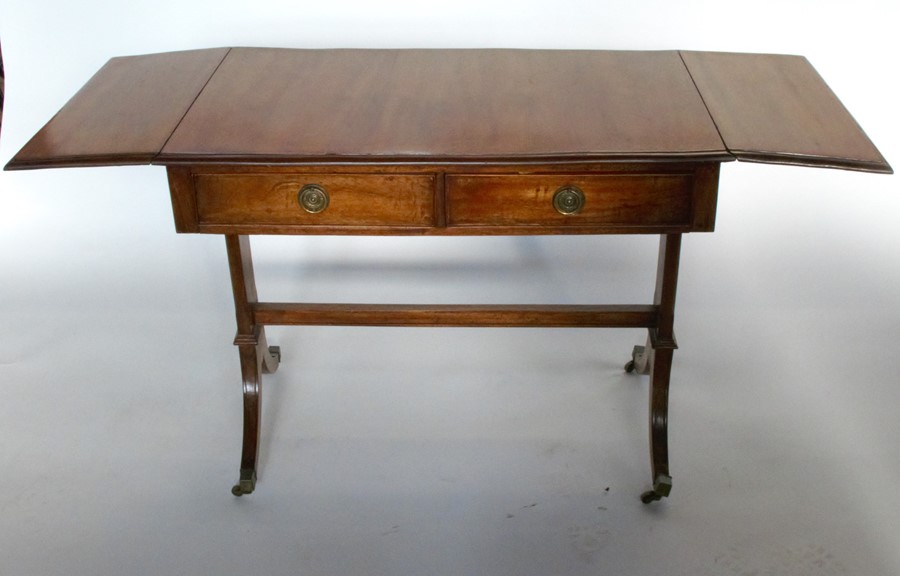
659 420
251 371
256 359
658 355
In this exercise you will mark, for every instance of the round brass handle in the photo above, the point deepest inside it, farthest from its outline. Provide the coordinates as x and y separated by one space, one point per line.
313 198
568 200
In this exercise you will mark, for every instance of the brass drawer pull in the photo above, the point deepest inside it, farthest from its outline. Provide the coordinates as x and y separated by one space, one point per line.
568 200
313 198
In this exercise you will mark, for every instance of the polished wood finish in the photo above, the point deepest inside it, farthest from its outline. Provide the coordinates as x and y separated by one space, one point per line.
444 142
777 109
355 200
486 200
184 198
497 316
640 200
662 345
124 114
256 357
319 107
412 105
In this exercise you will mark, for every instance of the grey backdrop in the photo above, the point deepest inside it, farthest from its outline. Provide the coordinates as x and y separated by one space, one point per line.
456 451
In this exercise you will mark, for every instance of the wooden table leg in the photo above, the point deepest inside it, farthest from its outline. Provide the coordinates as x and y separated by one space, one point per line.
663 344
659 415
257 358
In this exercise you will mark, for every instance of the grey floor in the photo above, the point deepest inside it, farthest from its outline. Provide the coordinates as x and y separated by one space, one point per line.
450 451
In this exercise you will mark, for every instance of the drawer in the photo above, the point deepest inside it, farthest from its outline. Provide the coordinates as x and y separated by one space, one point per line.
331 200
645 201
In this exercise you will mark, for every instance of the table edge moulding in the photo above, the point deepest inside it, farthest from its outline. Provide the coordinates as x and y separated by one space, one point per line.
450 142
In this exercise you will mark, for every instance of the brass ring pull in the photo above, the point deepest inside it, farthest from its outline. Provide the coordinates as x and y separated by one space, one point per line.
313 198
568 200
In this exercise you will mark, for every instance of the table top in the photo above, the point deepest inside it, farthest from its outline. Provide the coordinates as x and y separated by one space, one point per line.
271 106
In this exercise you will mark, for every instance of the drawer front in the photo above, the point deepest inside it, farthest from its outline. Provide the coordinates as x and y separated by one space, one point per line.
645 201
365 200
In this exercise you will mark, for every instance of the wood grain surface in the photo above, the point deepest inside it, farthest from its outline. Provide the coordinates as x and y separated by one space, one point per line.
332 107
625 200
274 104
777 109
124 114
354 200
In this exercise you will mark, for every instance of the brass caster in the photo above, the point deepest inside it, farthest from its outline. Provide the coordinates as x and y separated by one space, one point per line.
246 484
638 361
270 365
650 496
662 487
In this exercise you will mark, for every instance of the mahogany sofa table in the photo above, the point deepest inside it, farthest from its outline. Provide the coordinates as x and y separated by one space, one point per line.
450 142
